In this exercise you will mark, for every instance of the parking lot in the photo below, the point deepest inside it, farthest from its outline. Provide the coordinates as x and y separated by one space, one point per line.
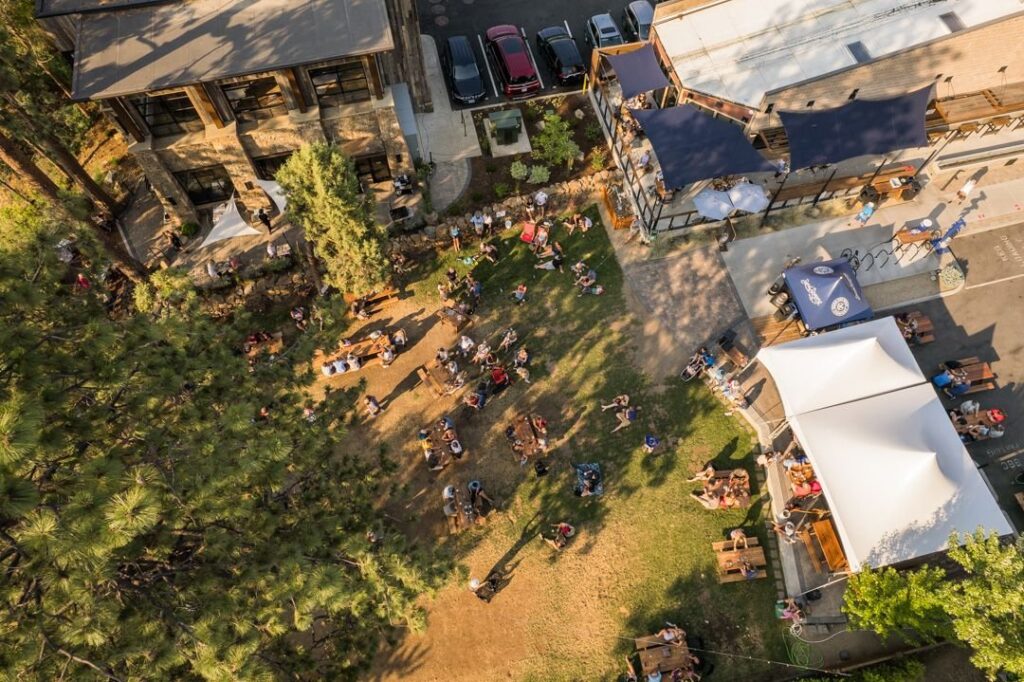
471 18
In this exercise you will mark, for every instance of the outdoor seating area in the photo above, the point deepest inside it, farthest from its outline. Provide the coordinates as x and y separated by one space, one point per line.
440 444
964 377
666 652
527 436
739 564
379 347
366 306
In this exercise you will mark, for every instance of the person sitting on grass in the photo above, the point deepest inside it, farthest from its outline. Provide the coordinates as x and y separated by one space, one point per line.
562 532
626 417
588 279
478 399
477 497
508 338
481 353
466 345
489 251
578 270
373 407
499 379
522 358
618 402
709 500
706 474
553 249
519 295
651 443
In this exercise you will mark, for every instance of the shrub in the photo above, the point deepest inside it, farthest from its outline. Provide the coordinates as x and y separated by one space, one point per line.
500 190
593 132
554 144
519 170
490 168
189 229
598 158
476 196
539 175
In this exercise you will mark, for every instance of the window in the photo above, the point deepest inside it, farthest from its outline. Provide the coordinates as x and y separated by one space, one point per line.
771 107
859 52
953 22
170 114
853 95
373 168
340 84
810 104
206 185
255 100
267 166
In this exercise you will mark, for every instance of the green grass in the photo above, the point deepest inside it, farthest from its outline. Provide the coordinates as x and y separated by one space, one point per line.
643 554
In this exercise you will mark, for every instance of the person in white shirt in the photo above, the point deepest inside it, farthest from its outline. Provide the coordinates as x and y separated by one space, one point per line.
211 269
466 345
271 250
339 366
540 200
387 356
328 369
353 362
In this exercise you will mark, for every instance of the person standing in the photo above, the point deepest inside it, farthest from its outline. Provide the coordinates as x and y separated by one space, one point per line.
262 216
965 190
455 234
540 200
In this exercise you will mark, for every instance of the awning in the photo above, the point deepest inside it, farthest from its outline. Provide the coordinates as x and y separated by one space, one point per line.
860 127
200 41
827 293
713 204
275 192
748 197
638 71
896 476
840 366
692 146
229 224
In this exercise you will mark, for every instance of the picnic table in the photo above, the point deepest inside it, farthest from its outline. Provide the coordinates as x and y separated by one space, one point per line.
435 376
825 531
527 437
271 347
375 301
367 350
924 329
978 374
454 319
740 487
664 657
730 561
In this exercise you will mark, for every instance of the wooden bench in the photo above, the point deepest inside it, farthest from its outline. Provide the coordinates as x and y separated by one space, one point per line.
979 374
925 329
730 561
812 551
835 557
432 375
375 301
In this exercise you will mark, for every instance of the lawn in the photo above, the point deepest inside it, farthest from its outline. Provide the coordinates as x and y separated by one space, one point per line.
642 553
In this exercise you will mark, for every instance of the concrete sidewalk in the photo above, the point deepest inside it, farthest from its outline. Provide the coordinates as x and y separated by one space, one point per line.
754 263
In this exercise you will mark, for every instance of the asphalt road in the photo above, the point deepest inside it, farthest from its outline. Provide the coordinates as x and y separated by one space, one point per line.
471 18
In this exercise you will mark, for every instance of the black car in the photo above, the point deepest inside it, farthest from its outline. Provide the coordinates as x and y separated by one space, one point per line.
461 70
561 54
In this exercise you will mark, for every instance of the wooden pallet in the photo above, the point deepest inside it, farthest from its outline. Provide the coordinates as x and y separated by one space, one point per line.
770 331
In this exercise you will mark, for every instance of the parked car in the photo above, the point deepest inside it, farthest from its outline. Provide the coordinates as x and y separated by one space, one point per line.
560 52
460 68
637 19
515 68
602 31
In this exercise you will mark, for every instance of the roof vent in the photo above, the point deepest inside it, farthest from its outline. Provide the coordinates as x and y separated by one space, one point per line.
953 22
859 52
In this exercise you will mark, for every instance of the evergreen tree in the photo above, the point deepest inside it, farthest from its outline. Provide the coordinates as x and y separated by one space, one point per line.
151 527
324 198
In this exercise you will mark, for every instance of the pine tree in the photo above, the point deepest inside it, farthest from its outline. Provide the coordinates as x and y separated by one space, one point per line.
324 198
150 527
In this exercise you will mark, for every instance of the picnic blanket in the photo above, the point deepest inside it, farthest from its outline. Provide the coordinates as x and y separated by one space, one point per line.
582 471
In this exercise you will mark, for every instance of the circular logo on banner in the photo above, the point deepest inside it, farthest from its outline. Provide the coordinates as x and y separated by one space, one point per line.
823 270
840 306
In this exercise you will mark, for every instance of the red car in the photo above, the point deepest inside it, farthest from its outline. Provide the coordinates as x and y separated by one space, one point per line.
514 65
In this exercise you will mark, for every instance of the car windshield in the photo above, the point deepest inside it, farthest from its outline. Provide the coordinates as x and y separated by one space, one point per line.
465 72
519 80
645 30
567 70
608 30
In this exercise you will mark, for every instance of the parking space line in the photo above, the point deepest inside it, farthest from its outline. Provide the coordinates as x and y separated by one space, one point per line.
568 30
532 60
487 65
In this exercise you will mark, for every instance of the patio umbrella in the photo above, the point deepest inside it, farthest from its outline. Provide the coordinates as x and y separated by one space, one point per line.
713 204
748 197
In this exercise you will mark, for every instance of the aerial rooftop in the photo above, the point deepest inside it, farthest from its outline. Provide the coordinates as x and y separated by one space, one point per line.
158 46
741 49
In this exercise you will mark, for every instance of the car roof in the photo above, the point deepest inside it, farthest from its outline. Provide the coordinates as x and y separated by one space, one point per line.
567 52
642 10
459 44
517 62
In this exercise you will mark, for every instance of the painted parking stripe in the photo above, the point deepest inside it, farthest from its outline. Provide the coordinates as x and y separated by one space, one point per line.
487 65
532 60
566 22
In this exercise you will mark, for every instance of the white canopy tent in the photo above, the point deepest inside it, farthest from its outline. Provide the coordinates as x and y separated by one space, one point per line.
275 192
229 224
843 365
896 476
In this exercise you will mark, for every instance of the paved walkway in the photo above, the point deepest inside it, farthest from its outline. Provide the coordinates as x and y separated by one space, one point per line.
754 263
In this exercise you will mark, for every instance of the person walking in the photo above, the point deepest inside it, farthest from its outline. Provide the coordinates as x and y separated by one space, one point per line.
264 218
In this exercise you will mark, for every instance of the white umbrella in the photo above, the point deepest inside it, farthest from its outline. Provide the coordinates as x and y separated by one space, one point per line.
713 204
275 192
748 197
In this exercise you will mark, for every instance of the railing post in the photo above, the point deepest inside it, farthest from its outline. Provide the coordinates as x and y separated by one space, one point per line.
775 196
825 186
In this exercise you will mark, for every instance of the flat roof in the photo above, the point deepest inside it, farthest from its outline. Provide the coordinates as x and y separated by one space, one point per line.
56 8
169 45
741 49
